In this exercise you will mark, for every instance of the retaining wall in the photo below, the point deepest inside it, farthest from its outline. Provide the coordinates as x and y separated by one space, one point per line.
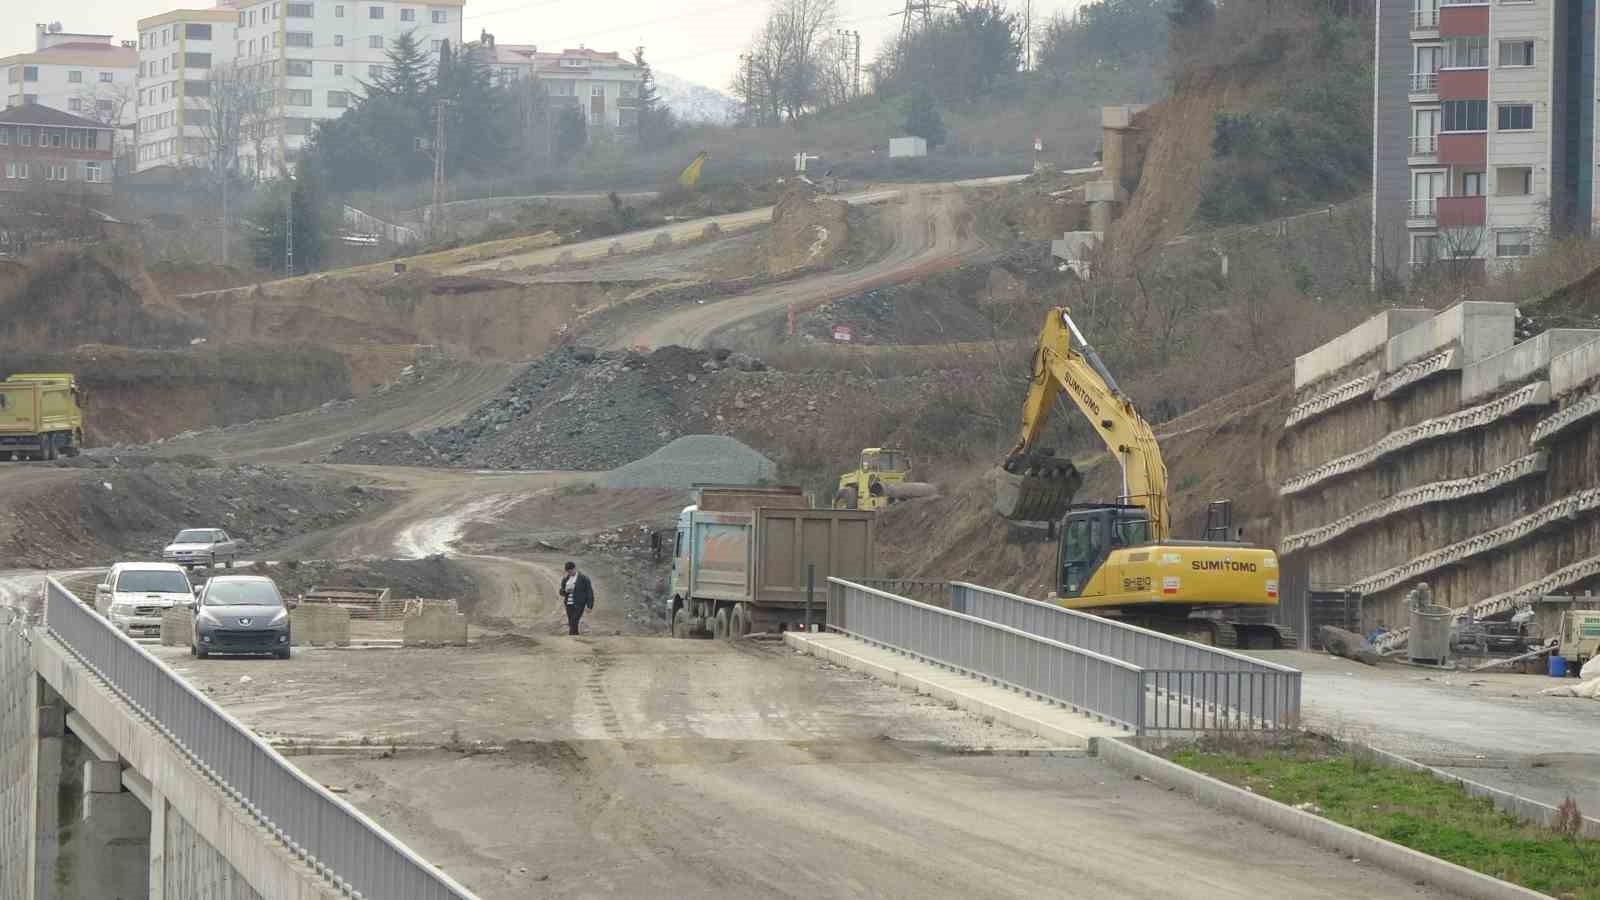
196 869
1470 462
16 739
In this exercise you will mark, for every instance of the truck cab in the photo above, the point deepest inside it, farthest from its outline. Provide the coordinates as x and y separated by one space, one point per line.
41 416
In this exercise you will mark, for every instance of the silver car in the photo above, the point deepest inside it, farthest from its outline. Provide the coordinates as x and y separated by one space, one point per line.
202 547
240 614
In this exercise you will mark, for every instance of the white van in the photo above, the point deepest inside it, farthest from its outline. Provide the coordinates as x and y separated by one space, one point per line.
135 594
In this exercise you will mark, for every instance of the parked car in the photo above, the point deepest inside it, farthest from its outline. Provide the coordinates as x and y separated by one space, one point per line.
240 614
202 547
133 595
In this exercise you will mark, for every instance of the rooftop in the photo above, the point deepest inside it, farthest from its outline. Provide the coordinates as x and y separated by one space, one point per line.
36 114
78 53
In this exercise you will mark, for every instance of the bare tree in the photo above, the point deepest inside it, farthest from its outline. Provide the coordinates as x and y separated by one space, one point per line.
784 70
230 99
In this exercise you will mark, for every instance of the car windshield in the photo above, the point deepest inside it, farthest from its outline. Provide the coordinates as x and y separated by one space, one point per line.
242 593
193 536
152 581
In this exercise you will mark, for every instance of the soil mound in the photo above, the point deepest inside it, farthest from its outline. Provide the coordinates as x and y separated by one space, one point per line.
695 459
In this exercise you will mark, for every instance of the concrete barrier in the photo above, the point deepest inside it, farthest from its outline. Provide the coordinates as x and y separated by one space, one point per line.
1519 363
1359 342
1331 399
319 623
432 624
1418 371
1480 328
1454 880
177 626
1575 368
1573 414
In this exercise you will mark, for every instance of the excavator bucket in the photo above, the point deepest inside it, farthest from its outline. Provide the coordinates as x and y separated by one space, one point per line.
1036 488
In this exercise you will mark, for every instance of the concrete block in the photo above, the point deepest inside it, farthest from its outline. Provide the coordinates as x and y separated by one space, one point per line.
1525 360
1417 371
1358 342
1480 328
1571 415
1075 244
434 623
1573 368
1106 191
319 623
1329 400
1120 116
102 777
177 626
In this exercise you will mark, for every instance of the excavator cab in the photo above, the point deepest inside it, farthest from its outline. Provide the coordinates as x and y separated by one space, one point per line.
1088 535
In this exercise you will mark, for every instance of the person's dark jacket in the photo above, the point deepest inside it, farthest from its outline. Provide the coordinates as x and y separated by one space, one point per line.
583 591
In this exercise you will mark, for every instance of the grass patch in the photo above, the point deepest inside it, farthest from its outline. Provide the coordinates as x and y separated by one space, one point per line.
1412 809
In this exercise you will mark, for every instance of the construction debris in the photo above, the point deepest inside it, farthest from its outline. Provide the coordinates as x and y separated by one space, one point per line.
1349 645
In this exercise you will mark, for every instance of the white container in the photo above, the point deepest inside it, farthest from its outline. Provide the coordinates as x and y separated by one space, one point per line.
907 146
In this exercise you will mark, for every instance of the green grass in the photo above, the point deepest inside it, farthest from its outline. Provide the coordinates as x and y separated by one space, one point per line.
1412 809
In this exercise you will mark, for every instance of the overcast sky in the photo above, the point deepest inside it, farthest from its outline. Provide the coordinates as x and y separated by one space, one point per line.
699 39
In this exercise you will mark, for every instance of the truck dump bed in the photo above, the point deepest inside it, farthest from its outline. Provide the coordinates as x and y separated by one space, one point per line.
761 556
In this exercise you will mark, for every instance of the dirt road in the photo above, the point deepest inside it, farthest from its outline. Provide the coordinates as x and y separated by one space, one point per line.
927 234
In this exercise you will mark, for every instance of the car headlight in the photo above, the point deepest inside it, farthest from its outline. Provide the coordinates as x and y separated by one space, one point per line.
205 616
281 618
121 609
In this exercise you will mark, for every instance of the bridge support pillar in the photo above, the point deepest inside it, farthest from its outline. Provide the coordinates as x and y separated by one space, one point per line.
50 730
158 845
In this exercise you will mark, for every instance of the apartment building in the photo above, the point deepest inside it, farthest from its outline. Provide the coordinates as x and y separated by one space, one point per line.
317 55
601 84
50 151
1483 137
178 53
82 74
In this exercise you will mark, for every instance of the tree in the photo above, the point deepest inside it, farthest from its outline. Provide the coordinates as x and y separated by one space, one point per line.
1106 34
298 202
782 77
477 117
232 100
923 119
656 124
572 132
406 76
960 56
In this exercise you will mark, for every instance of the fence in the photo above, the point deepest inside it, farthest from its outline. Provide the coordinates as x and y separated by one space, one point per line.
333 837
926 590
1107 688
1195 686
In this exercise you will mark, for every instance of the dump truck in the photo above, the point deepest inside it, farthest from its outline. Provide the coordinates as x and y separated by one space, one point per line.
41 416
743 554
1580 636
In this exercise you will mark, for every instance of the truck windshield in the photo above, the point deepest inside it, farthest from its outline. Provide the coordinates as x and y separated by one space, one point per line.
193 536
243 593
152 581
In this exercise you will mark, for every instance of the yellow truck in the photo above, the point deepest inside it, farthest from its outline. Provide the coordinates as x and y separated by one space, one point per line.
41 416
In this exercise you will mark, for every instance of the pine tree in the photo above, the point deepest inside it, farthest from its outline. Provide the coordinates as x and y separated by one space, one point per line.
476 112
406 75
923 119
656 124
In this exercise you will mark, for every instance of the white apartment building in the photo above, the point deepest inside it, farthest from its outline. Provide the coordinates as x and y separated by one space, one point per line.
318 54
178 51
84 74
602 84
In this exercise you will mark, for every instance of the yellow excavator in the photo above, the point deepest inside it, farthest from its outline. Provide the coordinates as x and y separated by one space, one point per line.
1119 559
690 176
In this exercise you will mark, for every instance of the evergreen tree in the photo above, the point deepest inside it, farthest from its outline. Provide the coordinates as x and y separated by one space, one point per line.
923 119
656 125
477 113
572 132
405 77
269 223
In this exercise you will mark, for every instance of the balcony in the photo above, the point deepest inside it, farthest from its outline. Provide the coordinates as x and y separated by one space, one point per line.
1422 212
1460 212
1424 145
1425 20
1424 85
1463 2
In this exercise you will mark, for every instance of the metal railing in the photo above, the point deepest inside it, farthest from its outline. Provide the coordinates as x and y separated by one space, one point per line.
1194 685
1423 18
1424 145
1107 688
1422 209
335 839
927 590
1424 82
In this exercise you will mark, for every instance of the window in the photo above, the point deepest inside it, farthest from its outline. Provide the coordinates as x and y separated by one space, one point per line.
1513 181
166 92
1466 53
374 71
338 11
375 41
408 15
338 68
1472 184
1464 115
141 70
597 90
298 11
57 138
92 172
1516 53
30 73
296 126
197 60
1424 248
252 46
241 20
297 38
197 88
1515 117
91 140
75 139
338 99
74 104
252 18
55 173
561 89
5 135
197 32
338 40
298 68
374 12
11 170
437 45
441 17
75 77
1512 243
298 98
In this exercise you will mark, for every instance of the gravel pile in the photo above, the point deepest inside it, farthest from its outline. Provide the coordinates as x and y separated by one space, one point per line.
695 459
394 448
579 409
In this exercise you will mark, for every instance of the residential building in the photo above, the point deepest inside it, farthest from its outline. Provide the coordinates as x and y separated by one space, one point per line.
1483 130
178 53
318 55
82 74
602 84
54 152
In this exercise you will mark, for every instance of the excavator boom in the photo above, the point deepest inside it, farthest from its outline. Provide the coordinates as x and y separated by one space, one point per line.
1034 484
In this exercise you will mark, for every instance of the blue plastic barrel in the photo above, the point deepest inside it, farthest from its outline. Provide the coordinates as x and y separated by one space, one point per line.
1558 666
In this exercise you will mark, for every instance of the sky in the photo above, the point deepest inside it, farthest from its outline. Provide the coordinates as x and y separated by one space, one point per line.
695 39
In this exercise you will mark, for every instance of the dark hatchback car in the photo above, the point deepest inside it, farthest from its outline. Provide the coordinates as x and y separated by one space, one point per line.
240 614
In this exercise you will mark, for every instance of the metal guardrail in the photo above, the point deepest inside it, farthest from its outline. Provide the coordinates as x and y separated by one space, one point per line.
927 590
1107 688
333 837
1195 685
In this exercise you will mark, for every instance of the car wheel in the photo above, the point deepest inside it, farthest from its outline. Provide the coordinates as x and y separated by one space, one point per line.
227 563
202 654
193 650
282 654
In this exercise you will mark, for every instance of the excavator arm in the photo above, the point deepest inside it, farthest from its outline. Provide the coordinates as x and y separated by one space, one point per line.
1038 486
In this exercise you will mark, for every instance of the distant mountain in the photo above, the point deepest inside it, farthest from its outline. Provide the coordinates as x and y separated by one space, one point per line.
695 102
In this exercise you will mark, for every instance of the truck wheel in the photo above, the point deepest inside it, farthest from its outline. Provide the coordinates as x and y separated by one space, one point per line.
719 625
680 623
738 623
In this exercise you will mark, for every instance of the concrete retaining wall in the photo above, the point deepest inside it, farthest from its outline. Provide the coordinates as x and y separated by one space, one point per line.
319 624
1575 368
433 624
1521 362
1415 372
1479 328
1349 348
17 738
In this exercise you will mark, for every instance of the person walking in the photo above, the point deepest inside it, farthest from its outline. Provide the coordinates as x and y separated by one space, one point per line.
578 595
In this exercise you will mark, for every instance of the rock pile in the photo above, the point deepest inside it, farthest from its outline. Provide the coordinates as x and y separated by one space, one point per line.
386 449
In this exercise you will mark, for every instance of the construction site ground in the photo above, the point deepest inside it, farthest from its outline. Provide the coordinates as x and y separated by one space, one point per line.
1491 727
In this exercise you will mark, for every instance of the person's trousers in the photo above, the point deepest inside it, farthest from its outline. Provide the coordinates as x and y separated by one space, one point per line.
574 613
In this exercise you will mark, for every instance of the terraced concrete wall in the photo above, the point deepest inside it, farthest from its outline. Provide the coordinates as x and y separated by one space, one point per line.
16 741
1448 454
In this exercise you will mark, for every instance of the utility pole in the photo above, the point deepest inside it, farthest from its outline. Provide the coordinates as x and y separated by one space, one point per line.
749 64
288 229
857 74
437 222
